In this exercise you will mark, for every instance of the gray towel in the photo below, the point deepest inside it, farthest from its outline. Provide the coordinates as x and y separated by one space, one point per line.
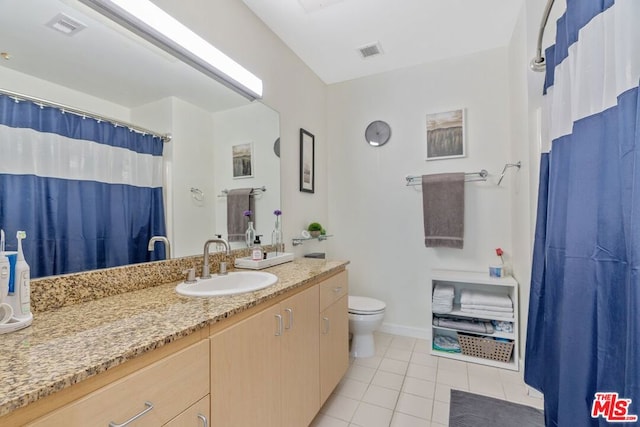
443 210
238 201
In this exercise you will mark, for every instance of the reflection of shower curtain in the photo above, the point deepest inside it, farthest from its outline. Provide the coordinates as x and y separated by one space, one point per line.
584 325
88 193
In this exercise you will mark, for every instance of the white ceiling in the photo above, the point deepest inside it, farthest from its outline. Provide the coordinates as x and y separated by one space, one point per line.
103 60
108 62
326 34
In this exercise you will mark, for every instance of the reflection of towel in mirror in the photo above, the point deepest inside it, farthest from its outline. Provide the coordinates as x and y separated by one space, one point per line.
443 210
239 201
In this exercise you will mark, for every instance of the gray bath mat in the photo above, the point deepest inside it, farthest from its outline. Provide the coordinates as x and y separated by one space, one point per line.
473 410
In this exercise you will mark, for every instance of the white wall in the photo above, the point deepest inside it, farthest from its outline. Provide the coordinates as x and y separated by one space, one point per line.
23 83
259 125
290 88
376 219
189 159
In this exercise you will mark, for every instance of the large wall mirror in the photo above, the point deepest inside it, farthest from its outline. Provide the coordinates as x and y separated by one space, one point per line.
103 68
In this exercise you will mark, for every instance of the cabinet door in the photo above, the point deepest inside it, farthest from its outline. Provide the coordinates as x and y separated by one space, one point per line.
245 372
300 355
196 416
334 346
157 393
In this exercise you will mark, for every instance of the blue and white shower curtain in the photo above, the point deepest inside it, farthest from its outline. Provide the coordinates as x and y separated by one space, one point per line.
88 193
583 334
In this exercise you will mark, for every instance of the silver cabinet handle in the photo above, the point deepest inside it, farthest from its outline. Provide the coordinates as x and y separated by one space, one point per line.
290 322
338 289
149 406
327 324
279 318
202 418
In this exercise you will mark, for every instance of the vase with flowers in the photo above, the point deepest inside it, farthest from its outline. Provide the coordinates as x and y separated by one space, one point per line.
276 236
498 269
250 234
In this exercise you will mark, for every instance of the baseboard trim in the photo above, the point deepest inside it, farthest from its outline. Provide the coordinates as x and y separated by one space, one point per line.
407 331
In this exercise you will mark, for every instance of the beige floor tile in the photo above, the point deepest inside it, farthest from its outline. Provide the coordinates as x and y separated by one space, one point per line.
414 405
422 346
454 378
368 415
369 362
381 396
404 420
398 354
428 373
395 366
360 373
351 388
424 359
486 385
440 413
323 420
403 343
419 387
340 407
388 380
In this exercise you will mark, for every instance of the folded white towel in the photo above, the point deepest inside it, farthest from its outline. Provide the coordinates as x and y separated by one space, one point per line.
486 307
487 313
485 298
441 290
442 308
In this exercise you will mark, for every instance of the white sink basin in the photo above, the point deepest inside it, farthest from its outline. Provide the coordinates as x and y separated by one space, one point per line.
232 283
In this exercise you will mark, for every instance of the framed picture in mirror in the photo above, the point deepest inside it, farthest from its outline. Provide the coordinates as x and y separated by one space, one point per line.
242 156
307 161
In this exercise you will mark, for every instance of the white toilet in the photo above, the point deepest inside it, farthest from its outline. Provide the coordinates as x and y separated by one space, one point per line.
365 316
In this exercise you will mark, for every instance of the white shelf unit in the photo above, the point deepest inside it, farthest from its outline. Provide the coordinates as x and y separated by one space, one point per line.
481 282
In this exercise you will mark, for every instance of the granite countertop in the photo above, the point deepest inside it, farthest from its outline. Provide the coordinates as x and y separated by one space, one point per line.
65 346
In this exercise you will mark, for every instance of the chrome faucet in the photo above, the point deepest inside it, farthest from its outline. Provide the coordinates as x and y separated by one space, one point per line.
163 239
205 267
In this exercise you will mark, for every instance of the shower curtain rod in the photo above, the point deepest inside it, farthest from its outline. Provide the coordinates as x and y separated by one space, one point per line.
46 103
538 63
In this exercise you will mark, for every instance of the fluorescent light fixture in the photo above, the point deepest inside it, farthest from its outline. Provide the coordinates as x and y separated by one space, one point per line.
158 27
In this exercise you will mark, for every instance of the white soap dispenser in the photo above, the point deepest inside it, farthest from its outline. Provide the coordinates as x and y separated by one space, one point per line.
21 300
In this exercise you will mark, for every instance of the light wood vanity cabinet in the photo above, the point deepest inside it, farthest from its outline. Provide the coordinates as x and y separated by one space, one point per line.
334 333
196 415
163 389
272 365
264 369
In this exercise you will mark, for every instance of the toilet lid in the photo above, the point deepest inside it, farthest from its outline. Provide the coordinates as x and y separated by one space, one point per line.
365 305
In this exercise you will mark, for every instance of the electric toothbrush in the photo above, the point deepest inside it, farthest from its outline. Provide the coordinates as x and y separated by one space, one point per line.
21 301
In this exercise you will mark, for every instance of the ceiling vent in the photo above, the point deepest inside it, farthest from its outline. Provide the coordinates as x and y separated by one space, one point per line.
66 24
370 50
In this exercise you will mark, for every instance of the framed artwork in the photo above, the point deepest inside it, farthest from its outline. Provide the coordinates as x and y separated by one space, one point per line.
445 135
242 156
307 161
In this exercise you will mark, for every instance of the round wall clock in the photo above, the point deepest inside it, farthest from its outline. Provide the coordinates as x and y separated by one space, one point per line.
377 133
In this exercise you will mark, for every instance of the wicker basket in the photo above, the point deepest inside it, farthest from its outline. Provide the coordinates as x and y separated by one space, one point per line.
486 348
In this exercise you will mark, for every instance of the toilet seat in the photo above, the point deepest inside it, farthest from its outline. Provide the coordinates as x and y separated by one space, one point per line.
365 305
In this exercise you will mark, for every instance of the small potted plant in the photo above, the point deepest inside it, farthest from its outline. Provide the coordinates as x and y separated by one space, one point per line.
314 229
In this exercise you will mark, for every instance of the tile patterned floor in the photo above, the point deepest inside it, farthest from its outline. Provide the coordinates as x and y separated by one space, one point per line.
403 385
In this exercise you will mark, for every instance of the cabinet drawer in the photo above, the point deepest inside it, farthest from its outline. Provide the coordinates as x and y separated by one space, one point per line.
171 385
197 415
332 289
